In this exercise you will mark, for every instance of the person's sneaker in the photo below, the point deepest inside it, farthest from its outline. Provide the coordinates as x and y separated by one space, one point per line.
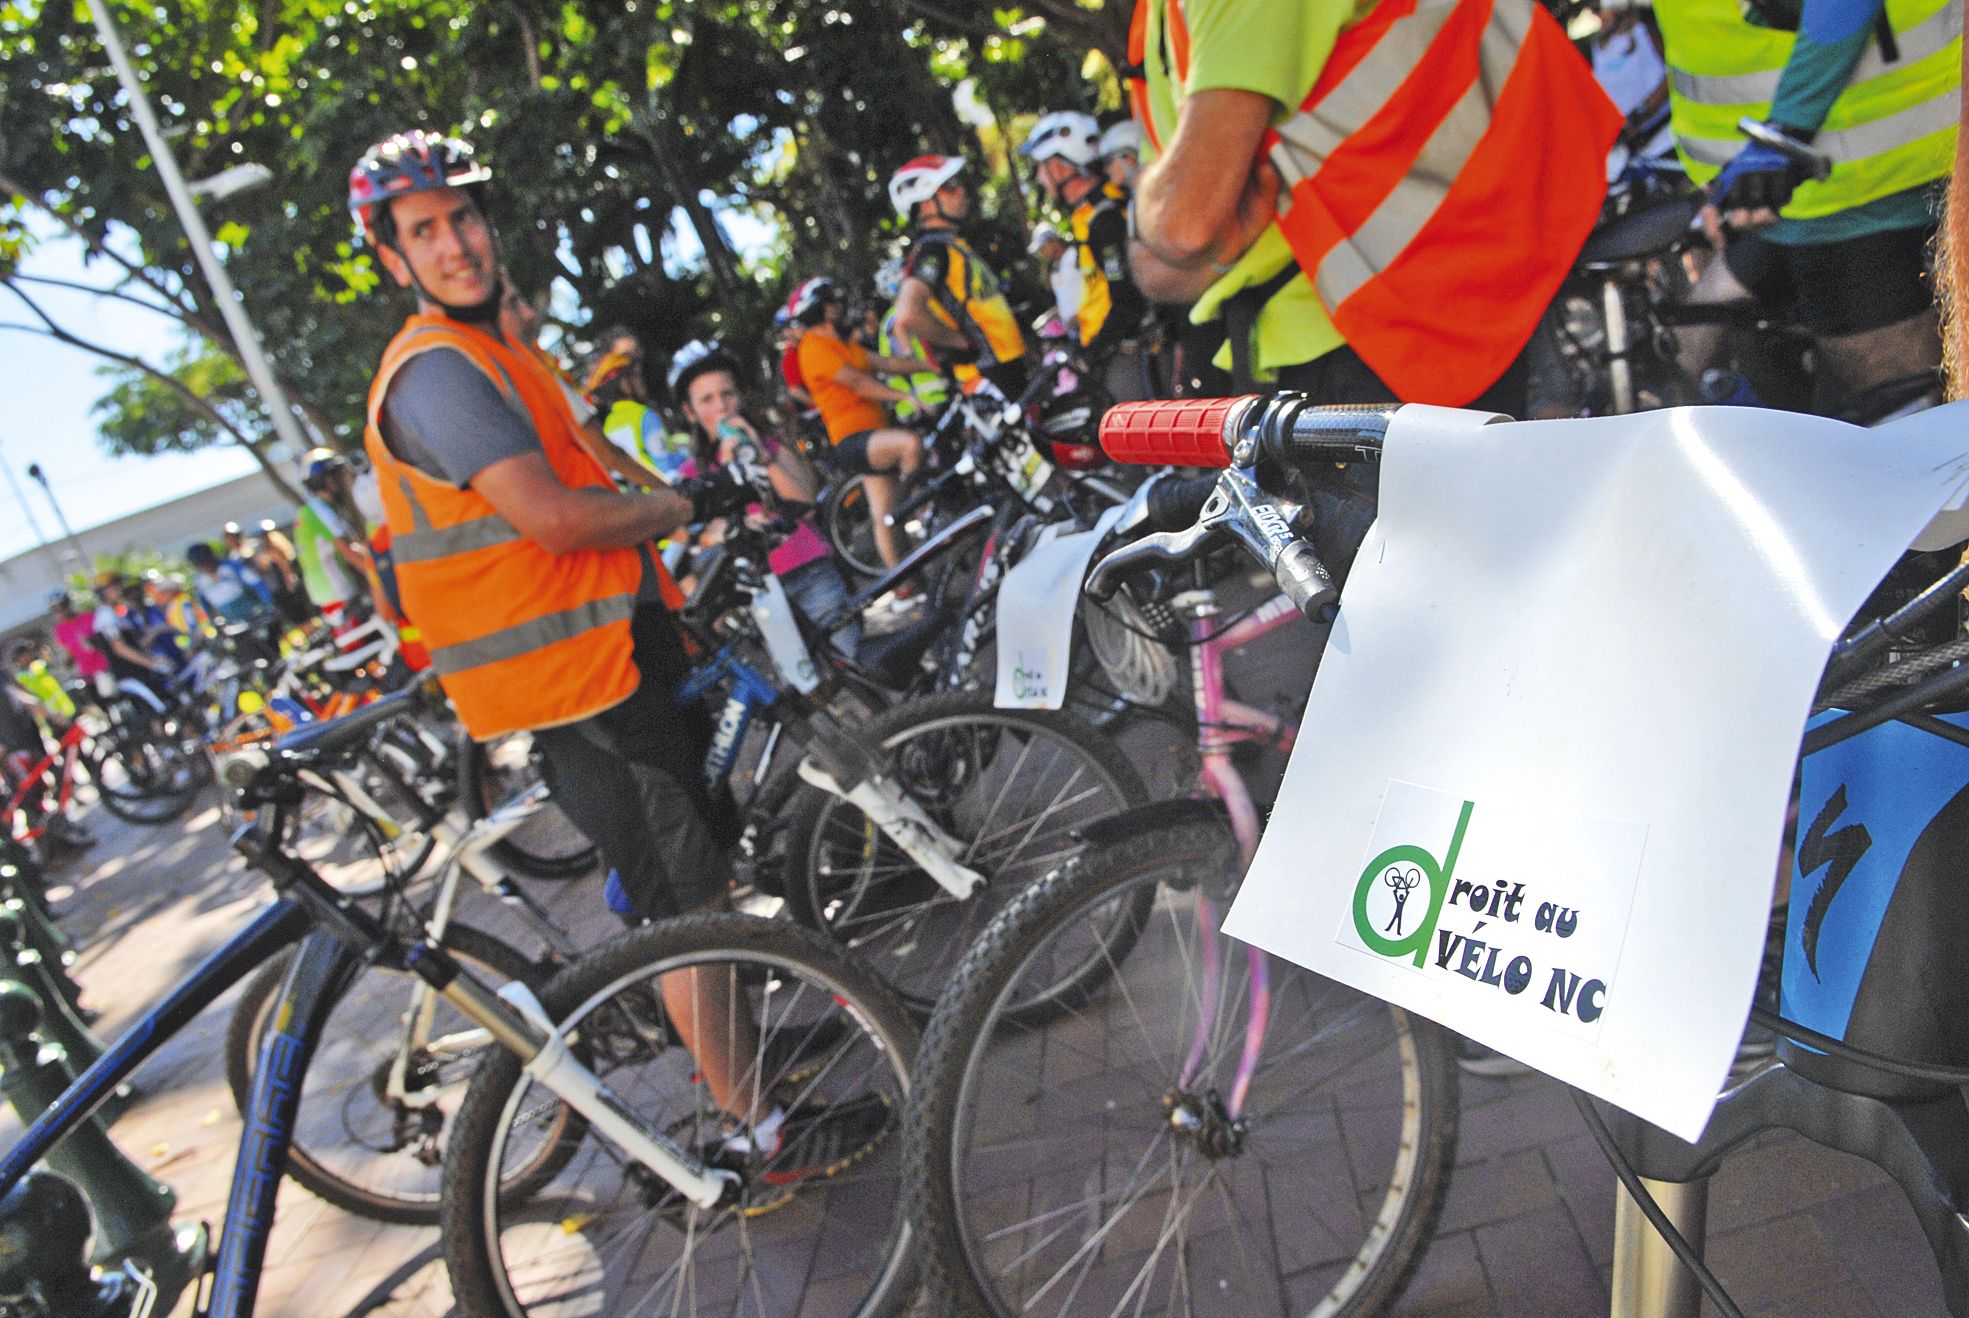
816 1140
1473 1058
820 1140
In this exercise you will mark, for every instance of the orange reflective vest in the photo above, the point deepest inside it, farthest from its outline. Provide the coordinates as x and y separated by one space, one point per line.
519 638
1438 181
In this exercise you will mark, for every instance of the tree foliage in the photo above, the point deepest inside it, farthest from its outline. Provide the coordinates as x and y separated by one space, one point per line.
671 164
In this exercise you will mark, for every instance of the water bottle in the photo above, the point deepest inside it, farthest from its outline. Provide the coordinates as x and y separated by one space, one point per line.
745 460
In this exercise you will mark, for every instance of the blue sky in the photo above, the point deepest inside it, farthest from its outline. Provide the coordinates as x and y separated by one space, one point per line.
48 387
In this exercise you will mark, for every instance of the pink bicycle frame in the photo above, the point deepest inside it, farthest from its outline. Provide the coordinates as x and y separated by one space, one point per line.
1221 724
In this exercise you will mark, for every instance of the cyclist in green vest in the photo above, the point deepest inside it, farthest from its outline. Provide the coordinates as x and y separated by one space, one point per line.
926 390
1874 87
328 547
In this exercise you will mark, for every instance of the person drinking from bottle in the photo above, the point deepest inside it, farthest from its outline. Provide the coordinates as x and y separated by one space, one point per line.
704 385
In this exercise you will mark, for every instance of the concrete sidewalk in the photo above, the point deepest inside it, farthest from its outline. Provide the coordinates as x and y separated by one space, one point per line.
1527 1229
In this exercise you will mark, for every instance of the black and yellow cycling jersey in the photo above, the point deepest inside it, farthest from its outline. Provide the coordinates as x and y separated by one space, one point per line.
966 295
1111 307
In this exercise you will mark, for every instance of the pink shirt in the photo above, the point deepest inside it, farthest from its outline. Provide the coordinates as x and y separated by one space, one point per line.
73 634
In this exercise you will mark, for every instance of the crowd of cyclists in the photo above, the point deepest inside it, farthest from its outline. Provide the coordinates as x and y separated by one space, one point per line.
1309 198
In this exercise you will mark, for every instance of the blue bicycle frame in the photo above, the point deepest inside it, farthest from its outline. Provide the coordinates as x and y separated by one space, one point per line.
318 974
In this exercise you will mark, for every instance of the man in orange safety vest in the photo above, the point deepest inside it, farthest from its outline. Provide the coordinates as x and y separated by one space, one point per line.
1378 199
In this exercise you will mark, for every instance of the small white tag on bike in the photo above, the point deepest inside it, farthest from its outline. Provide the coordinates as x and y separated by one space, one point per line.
773 611
1036 605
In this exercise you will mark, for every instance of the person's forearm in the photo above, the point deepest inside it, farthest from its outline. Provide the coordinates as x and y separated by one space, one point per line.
131 653
605 519
926 328
1161 281
877 392
900 365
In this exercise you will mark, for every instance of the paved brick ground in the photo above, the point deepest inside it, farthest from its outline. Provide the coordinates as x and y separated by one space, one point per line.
1526 1230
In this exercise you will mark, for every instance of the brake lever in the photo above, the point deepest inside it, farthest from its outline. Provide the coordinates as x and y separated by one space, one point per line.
1161 547
1263 528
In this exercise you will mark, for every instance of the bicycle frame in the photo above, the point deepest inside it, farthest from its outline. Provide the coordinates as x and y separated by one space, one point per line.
1223 723
67 750
337 936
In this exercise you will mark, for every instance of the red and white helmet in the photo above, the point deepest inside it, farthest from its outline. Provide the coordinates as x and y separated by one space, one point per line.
416 161
804 303
1072 136
919 180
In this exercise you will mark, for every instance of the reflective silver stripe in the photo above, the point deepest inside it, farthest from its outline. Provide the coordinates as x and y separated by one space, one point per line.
1402 213
1310 136
419 519
534 634
1382 237
1928 37
1847 145
427 543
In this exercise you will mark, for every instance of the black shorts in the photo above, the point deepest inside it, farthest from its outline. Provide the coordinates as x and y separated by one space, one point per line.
632 779
850 456
1844 287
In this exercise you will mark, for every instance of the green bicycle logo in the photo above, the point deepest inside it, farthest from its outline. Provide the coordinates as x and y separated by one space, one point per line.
1402 869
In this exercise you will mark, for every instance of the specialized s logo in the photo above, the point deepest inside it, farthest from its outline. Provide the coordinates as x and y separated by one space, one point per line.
1835 851
1410 874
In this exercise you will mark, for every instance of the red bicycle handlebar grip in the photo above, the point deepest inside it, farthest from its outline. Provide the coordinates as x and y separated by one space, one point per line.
1187 432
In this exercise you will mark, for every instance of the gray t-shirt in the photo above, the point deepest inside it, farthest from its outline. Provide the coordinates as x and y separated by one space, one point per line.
445 418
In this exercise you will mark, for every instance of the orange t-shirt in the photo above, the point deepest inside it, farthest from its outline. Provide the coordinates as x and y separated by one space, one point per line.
845 411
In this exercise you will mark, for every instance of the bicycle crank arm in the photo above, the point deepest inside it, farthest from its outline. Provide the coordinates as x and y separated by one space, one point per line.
905 824
555 1067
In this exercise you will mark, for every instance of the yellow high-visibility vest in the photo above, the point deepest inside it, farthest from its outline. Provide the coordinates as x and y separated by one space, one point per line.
1892 129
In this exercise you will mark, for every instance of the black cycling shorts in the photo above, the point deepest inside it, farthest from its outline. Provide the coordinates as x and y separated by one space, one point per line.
632 779
851 454
1845 287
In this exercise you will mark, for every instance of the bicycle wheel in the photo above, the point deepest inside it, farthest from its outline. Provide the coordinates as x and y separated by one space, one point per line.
1010 787
1077 1169
605 1236
145 780
354 1145
851 532
547 845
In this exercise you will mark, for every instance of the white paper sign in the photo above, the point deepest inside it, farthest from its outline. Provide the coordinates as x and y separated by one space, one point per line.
1604 636
1036 604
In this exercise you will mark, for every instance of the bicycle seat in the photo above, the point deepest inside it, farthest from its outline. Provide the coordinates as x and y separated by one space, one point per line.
1641 232
313 742
892 660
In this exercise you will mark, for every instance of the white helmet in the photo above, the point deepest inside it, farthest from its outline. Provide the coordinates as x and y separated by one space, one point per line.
1068 134
1124 136
919 180
888 279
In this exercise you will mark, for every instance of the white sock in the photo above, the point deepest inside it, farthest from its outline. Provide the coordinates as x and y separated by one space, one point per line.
763 1136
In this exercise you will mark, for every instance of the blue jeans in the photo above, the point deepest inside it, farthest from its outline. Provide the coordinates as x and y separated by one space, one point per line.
818 591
